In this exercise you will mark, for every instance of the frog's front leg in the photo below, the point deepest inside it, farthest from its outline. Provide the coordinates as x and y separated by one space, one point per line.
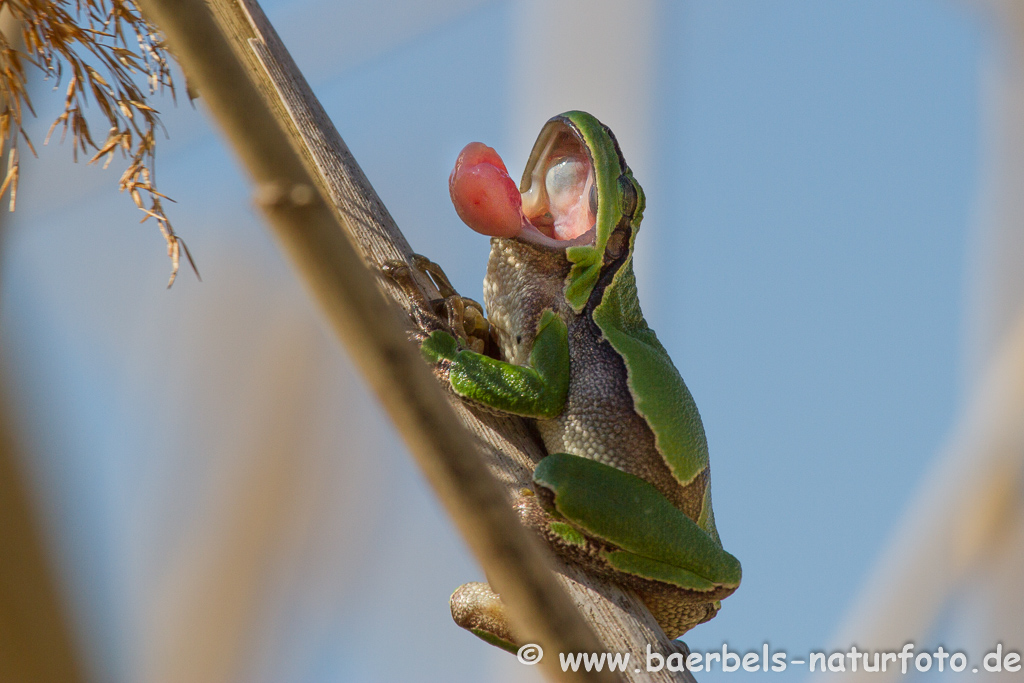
464 315
538 390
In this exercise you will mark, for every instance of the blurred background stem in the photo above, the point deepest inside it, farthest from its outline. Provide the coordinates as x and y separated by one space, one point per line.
36 644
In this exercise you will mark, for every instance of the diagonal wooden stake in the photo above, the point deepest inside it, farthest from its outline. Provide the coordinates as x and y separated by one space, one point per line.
332 224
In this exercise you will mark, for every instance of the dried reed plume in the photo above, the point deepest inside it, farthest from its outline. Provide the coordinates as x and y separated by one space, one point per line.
102 44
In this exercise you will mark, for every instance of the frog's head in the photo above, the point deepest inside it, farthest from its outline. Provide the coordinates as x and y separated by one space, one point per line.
577 194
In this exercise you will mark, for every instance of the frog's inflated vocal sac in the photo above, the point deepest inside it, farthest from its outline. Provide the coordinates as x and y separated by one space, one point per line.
625 490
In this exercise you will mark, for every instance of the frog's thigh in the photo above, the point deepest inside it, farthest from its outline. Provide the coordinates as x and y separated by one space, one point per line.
479 610
655 539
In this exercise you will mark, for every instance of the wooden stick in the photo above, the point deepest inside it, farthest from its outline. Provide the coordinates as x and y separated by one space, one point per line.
331 222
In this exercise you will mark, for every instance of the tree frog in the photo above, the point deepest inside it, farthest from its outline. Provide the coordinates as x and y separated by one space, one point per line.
625 489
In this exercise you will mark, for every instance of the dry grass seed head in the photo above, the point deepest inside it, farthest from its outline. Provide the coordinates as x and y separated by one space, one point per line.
104 44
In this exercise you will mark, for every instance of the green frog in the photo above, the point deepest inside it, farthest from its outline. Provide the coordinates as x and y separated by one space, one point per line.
625 489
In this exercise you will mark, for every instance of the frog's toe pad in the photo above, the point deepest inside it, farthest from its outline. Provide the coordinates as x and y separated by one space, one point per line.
479 610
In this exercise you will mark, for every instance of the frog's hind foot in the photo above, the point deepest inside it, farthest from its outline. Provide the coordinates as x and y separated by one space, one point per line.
479 610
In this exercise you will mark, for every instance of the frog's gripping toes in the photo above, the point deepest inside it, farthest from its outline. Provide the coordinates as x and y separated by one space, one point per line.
451 313
625 490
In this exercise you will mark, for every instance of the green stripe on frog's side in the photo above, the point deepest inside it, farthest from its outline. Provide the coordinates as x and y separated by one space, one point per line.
659 393
658 390
538 391
630 513
706 520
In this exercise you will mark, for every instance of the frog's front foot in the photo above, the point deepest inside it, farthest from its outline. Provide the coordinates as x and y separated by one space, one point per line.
421 309
479 610
460 316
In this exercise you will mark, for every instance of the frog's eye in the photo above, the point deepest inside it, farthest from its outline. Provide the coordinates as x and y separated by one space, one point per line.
628 196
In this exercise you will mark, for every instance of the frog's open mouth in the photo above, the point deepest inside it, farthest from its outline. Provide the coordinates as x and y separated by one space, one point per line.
556 203
559 189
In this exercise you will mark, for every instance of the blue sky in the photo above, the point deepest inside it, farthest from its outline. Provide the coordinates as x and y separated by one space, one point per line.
825 165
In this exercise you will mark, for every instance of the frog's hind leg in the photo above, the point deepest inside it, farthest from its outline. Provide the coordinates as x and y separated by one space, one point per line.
479 610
